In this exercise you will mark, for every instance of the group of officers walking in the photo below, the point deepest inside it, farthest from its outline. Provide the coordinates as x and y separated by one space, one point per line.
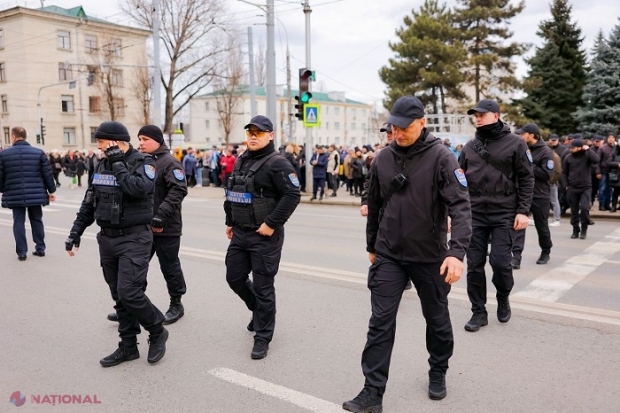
417 192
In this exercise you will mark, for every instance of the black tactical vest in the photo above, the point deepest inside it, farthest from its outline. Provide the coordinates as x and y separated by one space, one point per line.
248 206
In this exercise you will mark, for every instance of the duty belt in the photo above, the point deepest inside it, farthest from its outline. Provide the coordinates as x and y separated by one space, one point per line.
482 193
119 232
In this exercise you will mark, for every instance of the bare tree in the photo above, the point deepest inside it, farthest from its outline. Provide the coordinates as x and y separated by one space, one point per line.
191 32
108 78
260 65
143 92
228 86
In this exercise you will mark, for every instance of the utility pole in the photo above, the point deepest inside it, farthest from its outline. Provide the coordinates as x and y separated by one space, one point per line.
308 142
252 81
157 68
271 68
289 95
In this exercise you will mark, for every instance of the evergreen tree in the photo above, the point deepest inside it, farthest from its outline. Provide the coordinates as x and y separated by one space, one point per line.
483 27
557 74
428 59
601 113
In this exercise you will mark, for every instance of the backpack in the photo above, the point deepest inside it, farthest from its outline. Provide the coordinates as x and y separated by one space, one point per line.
557 169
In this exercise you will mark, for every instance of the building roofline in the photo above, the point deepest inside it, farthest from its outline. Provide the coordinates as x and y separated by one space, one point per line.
260 92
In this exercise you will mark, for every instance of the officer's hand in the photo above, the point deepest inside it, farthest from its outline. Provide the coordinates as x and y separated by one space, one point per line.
452 268
73 241
364 210
265 230
114 153
157 224
229 232
372 257
52 197
520 222
585 147
599 176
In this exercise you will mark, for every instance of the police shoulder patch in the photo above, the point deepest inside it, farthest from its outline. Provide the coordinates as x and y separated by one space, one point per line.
178 174
550 164
294 179
529 155
460 176
149 170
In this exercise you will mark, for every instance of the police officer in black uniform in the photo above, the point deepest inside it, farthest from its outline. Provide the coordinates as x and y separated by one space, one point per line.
498 166
416 183
543 166
261 195
120 200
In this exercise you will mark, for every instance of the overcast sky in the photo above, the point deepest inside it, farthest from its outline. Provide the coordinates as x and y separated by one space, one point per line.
350 37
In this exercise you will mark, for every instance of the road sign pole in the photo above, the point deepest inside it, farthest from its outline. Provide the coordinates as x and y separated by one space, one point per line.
308 142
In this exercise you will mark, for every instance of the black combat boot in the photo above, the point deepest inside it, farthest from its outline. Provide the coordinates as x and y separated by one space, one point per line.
123 353
260 348
503 309
477 320
436 384
584 233
368 401
113 316
157 346
515 263
175 311
544 258
575 233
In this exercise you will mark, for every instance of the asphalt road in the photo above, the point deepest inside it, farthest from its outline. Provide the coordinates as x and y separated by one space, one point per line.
559 353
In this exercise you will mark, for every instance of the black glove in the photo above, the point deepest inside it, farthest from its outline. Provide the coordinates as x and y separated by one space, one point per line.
114 154
158 222
73 240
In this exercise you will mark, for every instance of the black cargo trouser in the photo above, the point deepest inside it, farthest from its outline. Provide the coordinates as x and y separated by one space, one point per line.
386 281
499 227
540 212
167 250
251 252
125 264
579 201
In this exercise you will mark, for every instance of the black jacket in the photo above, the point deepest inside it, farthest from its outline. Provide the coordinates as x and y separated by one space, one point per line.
543 166
561 150
490 190
577 169
413 227
613 163
170 189
604 152
279 182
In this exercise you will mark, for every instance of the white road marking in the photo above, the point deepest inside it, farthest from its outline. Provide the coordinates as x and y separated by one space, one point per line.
516 302
299 399
557 282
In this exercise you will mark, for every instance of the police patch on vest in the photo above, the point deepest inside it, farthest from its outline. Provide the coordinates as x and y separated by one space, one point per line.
529 156
460 176
239 197
178 174
294 179
550 165
104 180
149 170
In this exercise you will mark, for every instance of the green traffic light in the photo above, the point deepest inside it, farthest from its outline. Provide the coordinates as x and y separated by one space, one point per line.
305 98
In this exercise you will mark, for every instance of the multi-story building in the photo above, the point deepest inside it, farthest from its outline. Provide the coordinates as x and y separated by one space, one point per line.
343 121
71 71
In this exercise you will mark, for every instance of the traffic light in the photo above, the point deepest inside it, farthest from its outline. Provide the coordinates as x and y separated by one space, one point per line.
305 77
42 133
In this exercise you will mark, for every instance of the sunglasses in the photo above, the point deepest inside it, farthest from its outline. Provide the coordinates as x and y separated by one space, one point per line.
258 133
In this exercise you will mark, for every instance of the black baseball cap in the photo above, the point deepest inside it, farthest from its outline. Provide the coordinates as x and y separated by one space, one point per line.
386 128
598 138
577 143
484 106
518 131
261 122
405 110
553 137
531 128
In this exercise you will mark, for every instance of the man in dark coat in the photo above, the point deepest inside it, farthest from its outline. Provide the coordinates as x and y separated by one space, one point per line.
27 184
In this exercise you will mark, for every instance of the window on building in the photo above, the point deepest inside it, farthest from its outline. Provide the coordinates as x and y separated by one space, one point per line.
2 72
353 126
337 125
337 111
64 40
337 140
207 106
67 103
207 124
7 135
5 103
64 72
90 43
68 136
92 75
116 77
364 112
119 107
327 110
1 39
363 126
353 140
93 130
352 111
116 47
326 125
94 104
208 140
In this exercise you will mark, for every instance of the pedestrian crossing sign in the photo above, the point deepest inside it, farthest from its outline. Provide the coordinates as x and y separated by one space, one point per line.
312 115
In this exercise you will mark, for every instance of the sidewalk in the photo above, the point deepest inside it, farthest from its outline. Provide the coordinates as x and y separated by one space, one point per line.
344 199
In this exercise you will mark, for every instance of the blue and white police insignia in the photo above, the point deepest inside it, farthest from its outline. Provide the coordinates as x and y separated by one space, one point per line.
460 176
149 170
104 180
529 156
239 197
178 174
550 165
294 179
